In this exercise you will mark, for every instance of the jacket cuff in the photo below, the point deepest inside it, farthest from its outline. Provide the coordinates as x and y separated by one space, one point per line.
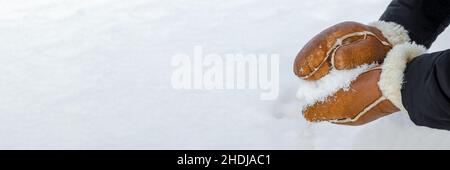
393 32
391 78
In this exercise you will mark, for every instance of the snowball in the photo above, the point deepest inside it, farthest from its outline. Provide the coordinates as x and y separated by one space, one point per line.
310 92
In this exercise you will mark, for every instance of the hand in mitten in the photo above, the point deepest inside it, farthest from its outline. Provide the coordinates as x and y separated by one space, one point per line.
347 45
373 94
361 103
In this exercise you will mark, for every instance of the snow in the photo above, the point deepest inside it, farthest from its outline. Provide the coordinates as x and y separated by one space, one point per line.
95 74
310 92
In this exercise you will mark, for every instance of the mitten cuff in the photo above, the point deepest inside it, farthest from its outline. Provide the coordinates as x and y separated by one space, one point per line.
393 32
391 78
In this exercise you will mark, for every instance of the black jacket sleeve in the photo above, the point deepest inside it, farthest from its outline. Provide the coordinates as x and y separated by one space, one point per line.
424 19
426 88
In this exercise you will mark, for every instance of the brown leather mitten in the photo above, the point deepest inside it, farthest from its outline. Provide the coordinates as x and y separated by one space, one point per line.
345 46
361 103
373 94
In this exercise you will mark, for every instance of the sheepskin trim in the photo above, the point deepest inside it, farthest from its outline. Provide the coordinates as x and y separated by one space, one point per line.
394 33
391 78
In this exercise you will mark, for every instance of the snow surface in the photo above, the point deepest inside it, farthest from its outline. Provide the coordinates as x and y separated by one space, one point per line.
95 74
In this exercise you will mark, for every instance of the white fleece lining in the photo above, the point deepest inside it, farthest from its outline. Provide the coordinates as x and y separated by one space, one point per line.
391 78
393 32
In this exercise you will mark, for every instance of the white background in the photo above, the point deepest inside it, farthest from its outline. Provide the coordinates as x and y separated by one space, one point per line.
95 74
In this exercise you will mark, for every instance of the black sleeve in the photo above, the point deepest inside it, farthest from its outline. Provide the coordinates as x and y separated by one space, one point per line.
424 19
426 90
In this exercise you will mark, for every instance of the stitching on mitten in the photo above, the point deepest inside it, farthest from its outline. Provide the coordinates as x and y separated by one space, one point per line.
338 43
